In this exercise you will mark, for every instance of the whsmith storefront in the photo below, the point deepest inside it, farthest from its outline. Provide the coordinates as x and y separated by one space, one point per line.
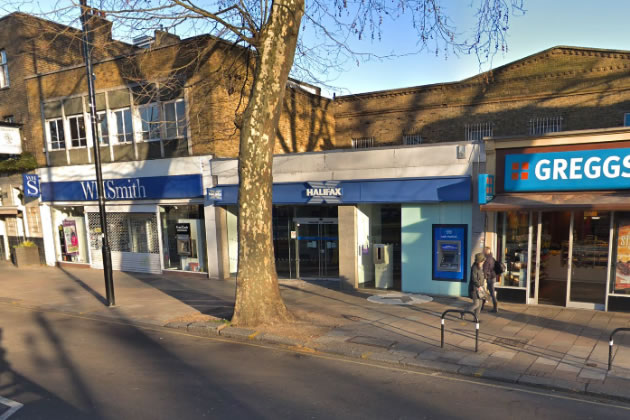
155 215
560 217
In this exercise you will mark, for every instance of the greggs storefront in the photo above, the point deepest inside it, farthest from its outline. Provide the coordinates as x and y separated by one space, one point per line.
559 218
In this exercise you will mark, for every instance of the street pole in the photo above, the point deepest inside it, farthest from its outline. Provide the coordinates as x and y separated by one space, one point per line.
107 255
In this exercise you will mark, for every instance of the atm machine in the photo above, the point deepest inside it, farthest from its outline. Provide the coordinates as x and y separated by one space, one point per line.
449 252
449 255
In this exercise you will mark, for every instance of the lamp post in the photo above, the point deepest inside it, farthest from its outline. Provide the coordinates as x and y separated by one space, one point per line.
107 256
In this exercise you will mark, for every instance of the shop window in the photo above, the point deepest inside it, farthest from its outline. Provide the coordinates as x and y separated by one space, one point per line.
476 132
363 143
102 127
589 262
4 70
56 135
124 126
71 236
183 238
620 275
513 236
175 119
542 125
78 135
150 122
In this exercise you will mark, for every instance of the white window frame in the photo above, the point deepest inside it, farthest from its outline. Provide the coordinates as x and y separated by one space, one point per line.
477 131
180 131
127 134
141 123
59 123
4 70
83 142
99 128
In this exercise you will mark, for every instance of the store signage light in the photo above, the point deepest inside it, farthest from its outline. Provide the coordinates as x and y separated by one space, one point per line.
324 192
600 169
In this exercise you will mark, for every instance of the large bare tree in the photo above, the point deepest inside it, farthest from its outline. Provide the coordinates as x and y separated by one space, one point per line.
309 41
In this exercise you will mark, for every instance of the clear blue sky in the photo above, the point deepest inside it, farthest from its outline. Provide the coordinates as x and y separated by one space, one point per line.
547 23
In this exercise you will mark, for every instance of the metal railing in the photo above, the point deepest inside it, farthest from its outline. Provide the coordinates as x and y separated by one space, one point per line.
461 313
610 345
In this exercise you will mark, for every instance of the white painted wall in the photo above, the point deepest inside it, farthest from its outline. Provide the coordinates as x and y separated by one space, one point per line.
430 160
141 168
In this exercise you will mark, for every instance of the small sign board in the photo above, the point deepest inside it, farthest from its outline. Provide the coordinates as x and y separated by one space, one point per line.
30 184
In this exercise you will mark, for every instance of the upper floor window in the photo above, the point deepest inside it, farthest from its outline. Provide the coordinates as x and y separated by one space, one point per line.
4 70
476 132
56 134
175 119
626 119
124 126
150 120
409 139
103 129
9 118
363 143
542 125
78 136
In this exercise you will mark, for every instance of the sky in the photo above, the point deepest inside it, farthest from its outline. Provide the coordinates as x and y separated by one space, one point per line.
546 23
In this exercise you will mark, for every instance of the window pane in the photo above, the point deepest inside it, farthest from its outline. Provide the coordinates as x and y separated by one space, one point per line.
103 130
589 268
169 118
150 122
128 125
52 126
181 118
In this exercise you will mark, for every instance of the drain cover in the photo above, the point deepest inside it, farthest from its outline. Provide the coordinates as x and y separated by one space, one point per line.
399 299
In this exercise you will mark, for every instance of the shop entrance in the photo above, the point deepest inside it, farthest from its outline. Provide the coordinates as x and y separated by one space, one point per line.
317 245
554 255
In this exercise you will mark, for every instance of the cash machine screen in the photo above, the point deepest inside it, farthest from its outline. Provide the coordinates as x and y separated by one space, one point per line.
448 255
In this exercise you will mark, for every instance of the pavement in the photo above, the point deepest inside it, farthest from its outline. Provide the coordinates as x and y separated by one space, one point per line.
543 346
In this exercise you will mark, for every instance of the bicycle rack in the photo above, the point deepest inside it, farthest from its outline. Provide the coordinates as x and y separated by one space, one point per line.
461 313
610 345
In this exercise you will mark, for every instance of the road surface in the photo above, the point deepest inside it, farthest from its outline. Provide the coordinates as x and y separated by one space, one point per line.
64 366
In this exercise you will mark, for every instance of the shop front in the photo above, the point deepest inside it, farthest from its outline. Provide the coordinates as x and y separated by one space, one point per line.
560 219
155 215
338 216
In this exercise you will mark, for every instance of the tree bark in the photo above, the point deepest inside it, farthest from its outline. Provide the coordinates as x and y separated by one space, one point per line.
258 299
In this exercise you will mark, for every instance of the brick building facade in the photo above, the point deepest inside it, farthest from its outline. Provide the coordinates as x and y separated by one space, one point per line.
559 89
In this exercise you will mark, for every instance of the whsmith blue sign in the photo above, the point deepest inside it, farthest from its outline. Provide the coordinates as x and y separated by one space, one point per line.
603 169
152 187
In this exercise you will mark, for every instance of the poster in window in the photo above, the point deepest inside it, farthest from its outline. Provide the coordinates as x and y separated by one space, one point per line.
70 236
622 273
183 238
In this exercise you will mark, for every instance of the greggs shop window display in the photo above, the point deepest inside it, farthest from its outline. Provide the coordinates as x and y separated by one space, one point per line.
513 236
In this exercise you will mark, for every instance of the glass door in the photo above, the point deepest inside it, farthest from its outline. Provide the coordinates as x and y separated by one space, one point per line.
317 248
589 259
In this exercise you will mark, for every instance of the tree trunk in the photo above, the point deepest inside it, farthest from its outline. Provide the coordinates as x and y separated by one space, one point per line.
258 299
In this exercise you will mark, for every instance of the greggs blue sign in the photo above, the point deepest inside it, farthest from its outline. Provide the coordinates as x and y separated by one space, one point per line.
603 169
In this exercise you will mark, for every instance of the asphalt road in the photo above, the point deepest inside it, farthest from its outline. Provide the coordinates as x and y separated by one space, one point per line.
63 366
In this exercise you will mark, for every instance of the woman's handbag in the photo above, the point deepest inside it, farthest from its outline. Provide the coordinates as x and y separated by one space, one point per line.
481 293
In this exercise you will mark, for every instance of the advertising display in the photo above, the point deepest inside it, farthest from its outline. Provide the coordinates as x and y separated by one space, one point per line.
183 238
486 188
449 252
622 272
70 237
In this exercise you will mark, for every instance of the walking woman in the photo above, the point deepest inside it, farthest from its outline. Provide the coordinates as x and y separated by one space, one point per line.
476 286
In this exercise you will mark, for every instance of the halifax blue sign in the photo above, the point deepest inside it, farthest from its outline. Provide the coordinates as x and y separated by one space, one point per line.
602 169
